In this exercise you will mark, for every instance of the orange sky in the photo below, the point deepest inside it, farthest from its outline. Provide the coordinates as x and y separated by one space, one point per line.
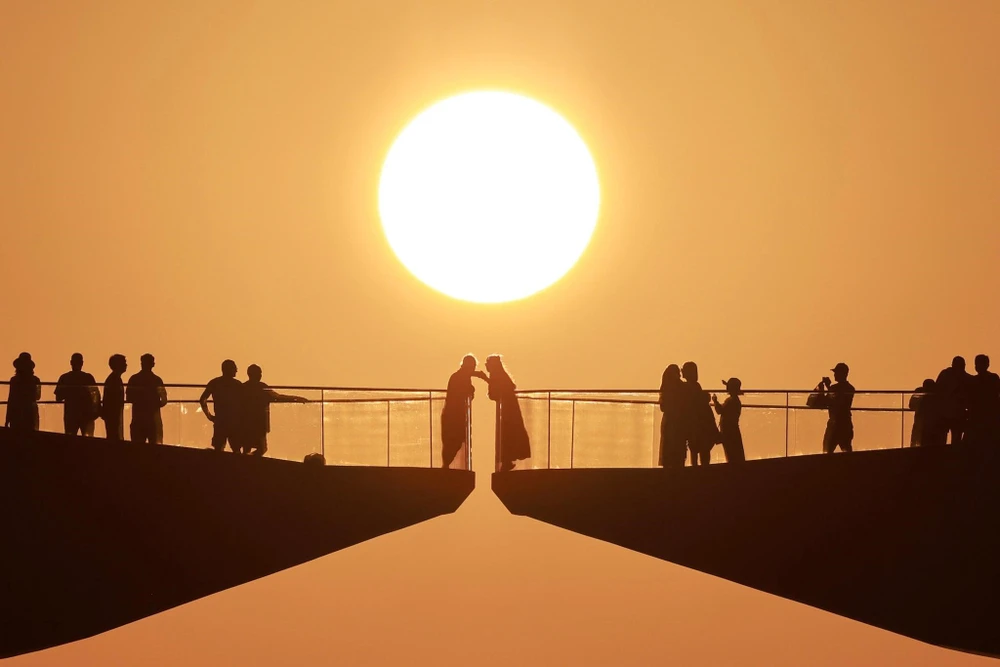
785 185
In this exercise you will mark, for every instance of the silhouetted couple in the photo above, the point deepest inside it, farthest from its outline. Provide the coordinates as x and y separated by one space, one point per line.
966 406
242 416
455 417
688 423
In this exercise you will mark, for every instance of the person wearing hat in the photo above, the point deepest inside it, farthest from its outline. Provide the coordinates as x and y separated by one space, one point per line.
838 397
25 392
729 421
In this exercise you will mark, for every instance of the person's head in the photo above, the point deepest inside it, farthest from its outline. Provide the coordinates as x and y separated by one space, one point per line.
672 373
76 361
982 363
840 372
958 363
147 361
24 363
734 386
928 385
469 363
229 368
690 371
254 373
118 363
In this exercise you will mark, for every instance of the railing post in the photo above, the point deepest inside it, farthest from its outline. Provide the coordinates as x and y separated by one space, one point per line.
468 439
430 426
496 438
572 433
322 422
388 433
548 456
902 420
787 410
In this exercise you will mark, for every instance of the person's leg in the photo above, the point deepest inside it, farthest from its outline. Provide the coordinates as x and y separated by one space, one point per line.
260 446
218 437
829 437
69 422
88 428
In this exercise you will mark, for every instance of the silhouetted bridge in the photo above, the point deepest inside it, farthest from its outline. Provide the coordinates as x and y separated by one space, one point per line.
905 539
98 533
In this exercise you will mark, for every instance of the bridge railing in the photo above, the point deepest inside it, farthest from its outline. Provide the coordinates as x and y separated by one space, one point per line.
621 429
349 426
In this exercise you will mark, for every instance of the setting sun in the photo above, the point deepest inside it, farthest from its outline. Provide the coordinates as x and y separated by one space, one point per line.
489 197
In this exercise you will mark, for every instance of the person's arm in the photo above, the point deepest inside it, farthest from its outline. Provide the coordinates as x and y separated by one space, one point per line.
38 389
162 393
60 391
718 406
204 404
275 397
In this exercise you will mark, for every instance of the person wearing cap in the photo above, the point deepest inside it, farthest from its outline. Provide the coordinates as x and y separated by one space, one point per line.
148 395
838 397
77 391
729 421
25 391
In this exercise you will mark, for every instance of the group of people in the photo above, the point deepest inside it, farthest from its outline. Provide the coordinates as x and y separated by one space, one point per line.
241 414
512 437
688 423
959 403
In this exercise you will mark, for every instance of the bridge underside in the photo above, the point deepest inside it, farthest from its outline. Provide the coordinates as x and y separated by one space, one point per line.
905 540
100 534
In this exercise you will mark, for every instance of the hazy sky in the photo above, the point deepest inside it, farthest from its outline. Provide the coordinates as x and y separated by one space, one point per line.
785 186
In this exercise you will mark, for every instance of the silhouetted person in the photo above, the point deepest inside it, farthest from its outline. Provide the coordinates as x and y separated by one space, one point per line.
225 394
984 404
455 414
256 399
927 421
729 421
514 443
702 432
77 391
147 394
113 404
24 392
953 388
838 397
673 424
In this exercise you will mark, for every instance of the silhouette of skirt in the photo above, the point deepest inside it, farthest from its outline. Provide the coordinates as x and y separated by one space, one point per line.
673 448
23 417
514 442
454 432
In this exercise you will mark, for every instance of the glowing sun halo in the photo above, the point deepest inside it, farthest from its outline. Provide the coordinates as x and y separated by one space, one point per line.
489 196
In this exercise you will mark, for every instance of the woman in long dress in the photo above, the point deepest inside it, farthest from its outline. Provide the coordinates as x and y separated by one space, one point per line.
513 441
25 392
702 433
673 446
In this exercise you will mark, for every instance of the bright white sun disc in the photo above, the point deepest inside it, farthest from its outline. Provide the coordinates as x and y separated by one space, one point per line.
489 196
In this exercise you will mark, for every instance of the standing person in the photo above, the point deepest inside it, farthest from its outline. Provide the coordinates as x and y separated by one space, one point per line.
953 389
113 405
702 433
455 414
838 398
255 409
922 402
984 404
25 391
147 394
673 427
729 421
225 392
78 393
514 442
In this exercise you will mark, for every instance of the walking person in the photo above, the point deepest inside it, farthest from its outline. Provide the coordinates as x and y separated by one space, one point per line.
729 421
225 394
77 391
24 392
673 424
455 414
147 394
113 403
513 441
